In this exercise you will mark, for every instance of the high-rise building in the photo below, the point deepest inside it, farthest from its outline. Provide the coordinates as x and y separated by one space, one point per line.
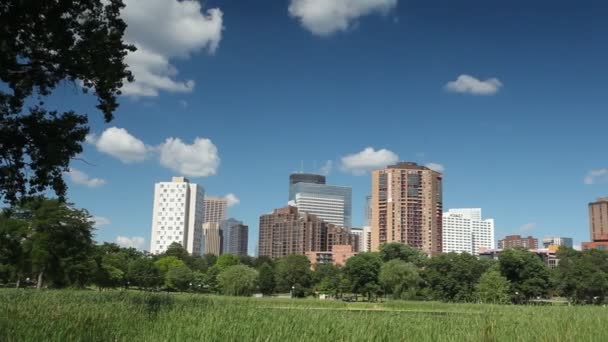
358 239
517 241
557 241
215 209
366 244
368 210
177 216
329 202
287 231
598 219
407 207
309 178
465 231
212 238
239 239
226 228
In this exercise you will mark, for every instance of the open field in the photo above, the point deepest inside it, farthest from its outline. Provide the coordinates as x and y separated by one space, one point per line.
132 316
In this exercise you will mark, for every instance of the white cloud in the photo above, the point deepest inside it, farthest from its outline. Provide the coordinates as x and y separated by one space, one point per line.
200 159
324 17
100 221
436 167
595 176
79 177
119 143
367 160
232 200
326 168
526 227
136 242
162 30
471 85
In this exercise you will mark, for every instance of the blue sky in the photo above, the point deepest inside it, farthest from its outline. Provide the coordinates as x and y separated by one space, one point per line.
269 84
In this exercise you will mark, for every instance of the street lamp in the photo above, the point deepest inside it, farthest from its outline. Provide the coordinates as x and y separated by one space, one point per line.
293 288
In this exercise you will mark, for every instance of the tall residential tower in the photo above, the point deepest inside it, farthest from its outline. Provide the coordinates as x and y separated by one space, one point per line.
215 209
407 207
177 216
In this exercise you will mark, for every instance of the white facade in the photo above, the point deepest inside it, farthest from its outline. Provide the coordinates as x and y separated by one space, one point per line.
465 231
366 245
177 216
329 208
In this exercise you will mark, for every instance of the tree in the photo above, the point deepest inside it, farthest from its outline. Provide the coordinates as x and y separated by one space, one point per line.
362 271
291 270
144 274
13 259
452 277
238 280
179 278
164 264
400 278
266 280
527 273
176 250
395 250
582 276
45 44
326 278
493 288
226 260
58 242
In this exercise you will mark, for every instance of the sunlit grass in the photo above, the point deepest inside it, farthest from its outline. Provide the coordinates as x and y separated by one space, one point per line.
132 316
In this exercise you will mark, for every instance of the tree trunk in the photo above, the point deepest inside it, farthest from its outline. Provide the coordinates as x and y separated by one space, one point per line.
18 282
39 284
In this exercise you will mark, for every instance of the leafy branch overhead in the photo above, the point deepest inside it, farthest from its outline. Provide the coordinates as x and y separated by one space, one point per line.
44 45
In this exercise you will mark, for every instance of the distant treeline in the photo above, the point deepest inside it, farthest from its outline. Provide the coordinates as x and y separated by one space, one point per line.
48 243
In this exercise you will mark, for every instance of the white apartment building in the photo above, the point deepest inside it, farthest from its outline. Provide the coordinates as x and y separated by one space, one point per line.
464 230
215 209
366 244
177 216
329 208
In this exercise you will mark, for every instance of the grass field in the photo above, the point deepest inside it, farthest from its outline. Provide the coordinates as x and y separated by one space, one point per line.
28 315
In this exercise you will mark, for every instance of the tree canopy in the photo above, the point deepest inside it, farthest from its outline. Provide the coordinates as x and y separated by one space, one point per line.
45 44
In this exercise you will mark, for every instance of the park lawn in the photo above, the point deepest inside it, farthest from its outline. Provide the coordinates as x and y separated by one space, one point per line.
70 315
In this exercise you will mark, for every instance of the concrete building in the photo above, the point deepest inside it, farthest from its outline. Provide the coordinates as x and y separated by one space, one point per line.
367 214
288 231
212 238
465 231
215 209
329 202
547 255
226 228
407 207
598 225
517 241
358 236
557 241
177 216
366 244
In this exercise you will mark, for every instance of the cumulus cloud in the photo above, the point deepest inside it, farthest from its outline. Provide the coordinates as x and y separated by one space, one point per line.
368 159
526 227
470 85
136 242
119 143
326 168
81 178
99 221
162 30
595 176
232 200
324 17
436 167
200 159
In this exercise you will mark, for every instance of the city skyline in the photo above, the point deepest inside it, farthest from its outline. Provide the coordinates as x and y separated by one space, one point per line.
489 104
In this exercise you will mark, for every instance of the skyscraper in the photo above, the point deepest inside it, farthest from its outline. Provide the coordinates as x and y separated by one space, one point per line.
287 231
407 207
239 239
465 231
367 214
215 209
309 178
598 219
177 215
226 228
212 241
328 202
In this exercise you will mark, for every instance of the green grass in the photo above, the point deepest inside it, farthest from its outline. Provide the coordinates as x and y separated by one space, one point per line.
28 315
